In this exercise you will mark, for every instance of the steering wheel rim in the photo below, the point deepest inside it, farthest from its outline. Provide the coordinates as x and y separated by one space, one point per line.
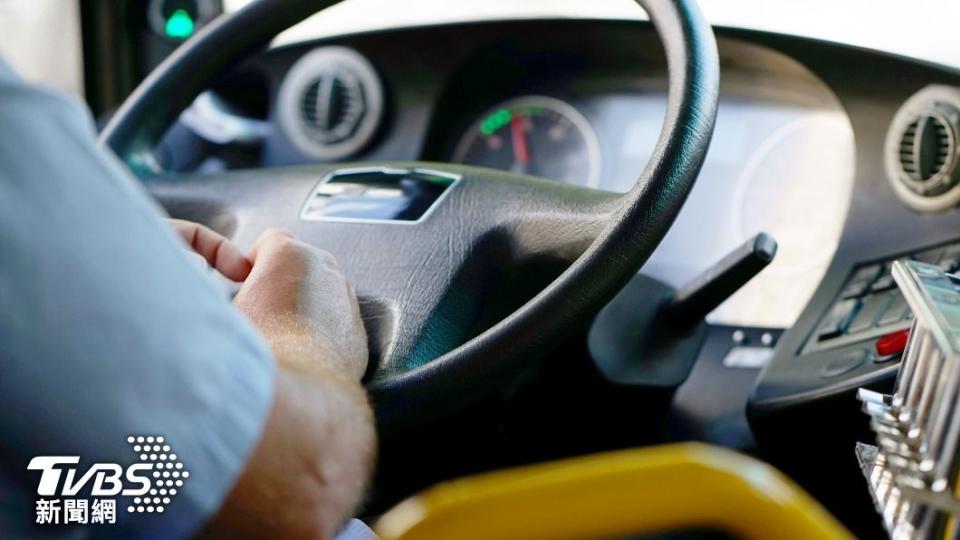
605 256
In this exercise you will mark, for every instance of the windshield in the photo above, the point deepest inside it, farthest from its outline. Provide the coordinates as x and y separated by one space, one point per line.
918 28
41 38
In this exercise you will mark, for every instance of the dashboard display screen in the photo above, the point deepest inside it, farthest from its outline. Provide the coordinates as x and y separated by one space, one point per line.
774 166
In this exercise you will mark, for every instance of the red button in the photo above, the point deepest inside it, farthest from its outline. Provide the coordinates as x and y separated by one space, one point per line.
892 343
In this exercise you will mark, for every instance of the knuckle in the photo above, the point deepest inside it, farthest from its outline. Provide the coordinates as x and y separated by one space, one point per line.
277 234
328 259
277 231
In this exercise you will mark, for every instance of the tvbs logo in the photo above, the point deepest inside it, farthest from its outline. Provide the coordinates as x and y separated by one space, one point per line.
152 483
107 478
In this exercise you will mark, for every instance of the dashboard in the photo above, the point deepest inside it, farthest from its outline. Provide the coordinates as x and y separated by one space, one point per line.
574 101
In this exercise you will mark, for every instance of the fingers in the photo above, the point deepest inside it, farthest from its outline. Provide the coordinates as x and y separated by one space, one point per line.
280 240
219 252
270 236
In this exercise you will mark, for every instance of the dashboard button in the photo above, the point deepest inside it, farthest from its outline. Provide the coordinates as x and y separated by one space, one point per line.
950 260
861 280
844 364
884 283
895 310
892 344
837 320
871 308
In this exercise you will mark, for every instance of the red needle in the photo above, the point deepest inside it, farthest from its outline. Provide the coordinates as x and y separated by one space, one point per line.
520 150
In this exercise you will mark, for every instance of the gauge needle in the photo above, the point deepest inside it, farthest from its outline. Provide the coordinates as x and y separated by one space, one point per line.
521 153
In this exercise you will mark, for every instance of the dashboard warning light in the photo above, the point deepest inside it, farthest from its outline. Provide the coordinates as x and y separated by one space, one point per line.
180 25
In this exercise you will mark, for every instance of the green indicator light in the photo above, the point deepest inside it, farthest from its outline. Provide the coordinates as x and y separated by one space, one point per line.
495 121
180 25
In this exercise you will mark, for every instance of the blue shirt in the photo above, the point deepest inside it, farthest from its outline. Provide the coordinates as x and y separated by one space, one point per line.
107 331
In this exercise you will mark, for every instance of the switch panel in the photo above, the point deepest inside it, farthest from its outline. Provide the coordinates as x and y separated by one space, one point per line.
869 305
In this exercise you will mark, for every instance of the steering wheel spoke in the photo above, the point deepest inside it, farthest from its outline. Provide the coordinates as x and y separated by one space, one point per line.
544 218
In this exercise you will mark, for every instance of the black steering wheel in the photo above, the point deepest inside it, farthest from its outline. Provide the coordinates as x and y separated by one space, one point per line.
427 285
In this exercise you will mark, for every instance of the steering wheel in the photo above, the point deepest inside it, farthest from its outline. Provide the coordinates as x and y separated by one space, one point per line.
425 284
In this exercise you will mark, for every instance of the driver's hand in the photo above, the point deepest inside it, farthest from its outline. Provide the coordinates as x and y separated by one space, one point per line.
219 252
309 469
294 293
302 303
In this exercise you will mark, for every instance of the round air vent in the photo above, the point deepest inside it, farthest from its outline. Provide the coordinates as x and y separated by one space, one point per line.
330 103
333 107
922 153
927 148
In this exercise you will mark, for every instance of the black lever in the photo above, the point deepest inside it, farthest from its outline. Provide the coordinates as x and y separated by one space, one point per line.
650 335
695 300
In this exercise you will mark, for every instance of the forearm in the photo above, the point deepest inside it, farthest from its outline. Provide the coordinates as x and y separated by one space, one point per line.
309 470
308 473
337 454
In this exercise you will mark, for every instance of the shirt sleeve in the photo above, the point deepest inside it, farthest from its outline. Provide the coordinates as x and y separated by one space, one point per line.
107 331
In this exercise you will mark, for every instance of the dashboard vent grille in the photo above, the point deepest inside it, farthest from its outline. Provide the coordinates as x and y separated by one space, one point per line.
331 108
907 162
925 148
921 154
331 103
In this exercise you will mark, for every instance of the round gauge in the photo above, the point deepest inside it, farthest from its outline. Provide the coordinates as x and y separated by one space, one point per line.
535 135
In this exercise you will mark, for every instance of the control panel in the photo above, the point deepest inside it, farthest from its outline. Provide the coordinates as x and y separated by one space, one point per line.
854 339
871 307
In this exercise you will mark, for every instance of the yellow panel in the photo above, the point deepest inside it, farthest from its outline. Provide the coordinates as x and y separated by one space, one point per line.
673 487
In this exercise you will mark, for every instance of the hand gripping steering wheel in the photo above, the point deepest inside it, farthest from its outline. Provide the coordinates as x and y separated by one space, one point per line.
427 284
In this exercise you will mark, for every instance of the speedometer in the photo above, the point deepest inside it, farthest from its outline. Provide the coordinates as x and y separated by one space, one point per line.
536 135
